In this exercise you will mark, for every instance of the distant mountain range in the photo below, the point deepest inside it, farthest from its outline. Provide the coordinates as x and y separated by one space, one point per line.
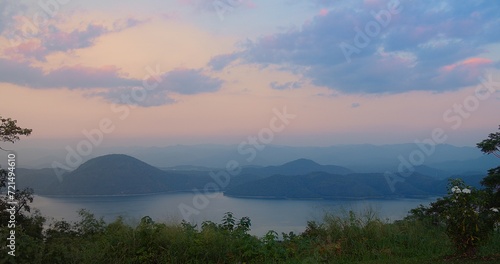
331 186
444 160
114 174
119 174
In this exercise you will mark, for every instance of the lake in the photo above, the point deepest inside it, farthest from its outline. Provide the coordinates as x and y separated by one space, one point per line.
265 214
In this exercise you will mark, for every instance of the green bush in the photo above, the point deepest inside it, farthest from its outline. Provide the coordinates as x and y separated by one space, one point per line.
348 238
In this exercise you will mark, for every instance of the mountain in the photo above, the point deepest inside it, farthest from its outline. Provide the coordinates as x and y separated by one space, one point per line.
359 158
332 186
478 165
40 180
323 185
115 174
119 174
296 167
435 173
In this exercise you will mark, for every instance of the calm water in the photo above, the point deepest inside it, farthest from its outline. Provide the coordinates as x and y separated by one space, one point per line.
278 215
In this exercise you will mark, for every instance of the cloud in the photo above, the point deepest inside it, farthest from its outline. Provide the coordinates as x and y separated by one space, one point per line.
49 38
219 62
110 84
8 10
376 47
58 40
189 81
285 86
212 5
157 92
355 105
323 12
138 96
28 49
71 77
219 7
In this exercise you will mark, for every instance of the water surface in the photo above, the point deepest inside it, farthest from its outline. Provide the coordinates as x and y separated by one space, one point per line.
265 214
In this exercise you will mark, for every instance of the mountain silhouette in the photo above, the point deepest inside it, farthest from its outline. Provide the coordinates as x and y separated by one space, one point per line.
114 174
296 167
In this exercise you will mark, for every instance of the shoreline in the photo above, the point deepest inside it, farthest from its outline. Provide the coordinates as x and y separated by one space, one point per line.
262 197
256 197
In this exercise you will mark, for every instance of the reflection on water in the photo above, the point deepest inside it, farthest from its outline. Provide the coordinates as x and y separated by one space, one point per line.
278 215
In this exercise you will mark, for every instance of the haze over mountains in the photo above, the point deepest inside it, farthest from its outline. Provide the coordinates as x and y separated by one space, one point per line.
444 160
119 174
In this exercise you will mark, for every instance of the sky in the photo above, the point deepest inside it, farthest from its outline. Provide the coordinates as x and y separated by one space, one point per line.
286 72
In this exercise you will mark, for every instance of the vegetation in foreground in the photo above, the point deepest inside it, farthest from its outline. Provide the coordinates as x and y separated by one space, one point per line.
461 227
348 239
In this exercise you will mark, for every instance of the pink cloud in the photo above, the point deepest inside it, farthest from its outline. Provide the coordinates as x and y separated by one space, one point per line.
468 70
39 42
323 12
171 15
372 3
61 41
32 48
85 77
471 63
250 4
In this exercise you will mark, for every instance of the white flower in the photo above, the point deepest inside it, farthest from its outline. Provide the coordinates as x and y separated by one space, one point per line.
494 210
465 190
455 189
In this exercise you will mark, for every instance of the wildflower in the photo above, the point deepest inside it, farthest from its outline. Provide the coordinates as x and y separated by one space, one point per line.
494 210
465 190
455 189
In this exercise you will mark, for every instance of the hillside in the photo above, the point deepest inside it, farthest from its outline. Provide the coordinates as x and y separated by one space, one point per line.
322 185
40 180
359 158
296 167
114 174
119 174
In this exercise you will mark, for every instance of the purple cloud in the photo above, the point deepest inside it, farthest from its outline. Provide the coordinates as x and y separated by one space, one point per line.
220 62
74 77
58 40
189 81
158 91
117 88
383 46
50 38
285 86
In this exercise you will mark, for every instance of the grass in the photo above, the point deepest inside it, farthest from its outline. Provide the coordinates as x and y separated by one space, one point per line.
344 238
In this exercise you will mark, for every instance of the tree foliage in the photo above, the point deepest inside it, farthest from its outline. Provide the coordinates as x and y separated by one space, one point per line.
28 225
470 216
491 145
10 131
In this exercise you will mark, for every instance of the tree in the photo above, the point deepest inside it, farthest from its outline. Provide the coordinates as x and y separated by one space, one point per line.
10 132
27 228
470 215
491 145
